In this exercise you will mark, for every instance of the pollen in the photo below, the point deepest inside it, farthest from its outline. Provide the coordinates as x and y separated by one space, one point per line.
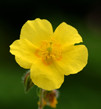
49 51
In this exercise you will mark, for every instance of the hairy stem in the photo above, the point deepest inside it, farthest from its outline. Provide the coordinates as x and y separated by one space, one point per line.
41 99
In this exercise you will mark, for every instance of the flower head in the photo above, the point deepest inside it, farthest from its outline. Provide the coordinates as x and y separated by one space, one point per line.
49 55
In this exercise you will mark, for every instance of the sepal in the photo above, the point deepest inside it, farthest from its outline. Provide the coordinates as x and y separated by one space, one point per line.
28 84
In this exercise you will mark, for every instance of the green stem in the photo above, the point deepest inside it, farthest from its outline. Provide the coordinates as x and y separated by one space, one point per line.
41 99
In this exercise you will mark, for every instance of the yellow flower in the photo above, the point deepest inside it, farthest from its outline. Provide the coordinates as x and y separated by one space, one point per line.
49 55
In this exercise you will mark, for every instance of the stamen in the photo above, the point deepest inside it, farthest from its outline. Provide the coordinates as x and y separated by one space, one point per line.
49 52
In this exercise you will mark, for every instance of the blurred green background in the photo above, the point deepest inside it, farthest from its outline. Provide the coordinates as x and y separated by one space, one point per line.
79 91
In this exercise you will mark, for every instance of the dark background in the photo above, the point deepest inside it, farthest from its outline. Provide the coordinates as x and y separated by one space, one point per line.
79 91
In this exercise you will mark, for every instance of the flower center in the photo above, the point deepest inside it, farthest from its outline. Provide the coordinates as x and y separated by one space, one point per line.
49 51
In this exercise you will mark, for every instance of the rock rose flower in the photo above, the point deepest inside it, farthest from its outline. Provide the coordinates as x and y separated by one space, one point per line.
49 55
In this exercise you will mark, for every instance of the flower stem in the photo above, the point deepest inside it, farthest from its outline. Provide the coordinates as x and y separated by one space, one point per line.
41 99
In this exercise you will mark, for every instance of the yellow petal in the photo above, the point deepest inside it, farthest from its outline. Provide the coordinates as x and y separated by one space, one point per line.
24 52
74 59
23 62
67 35
36 31
46 76
53 103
